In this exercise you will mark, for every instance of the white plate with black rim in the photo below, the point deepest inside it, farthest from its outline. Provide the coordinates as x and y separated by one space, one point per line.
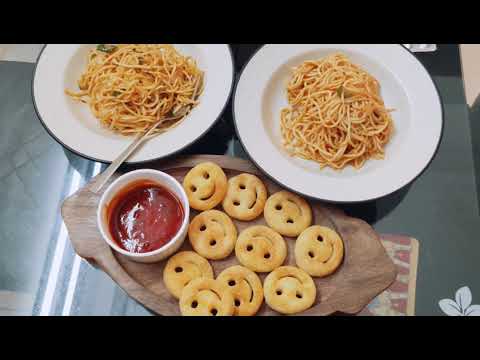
406 86
72 124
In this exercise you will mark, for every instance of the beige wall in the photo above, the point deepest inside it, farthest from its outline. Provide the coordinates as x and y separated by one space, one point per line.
470 54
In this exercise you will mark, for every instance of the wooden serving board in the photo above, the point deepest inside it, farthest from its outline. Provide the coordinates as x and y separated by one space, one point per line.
366 270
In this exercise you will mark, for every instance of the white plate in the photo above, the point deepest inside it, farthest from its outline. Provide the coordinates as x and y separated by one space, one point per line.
72 124
405 86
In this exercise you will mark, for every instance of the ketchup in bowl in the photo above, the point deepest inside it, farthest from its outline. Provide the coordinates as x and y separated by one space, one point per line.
144 216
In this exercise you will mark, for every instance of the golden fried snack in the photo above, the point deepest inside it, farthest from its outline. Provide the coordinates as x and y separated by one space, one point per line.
246 289
182 268
212 234
319 251
246 196
260 249
289 290
205 185
287 213
206 297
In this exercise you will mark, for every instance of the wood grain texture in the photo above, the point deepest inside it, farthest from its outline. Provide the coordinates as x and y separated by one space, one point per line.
366 270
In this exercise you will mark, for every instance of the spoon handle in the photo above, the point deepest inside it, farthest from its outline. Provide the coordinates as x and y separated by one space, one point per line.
103 178
110 170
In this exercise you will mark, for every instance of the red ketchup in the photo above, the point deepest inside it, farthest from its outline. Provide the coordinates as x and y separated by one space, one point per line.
144 216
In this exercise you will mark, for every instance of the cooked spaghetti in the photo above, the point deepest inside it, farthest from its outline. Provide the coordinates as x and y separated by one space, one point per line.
336 115
130 87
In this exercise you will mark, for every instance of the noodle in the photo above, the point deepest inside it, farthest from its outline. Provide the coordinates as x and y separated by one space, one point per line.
130 87
336 115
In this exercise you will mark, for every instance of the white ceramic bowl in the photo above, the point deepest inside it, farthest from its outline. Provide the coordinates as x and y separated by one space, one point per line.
406 86
73 125
162 179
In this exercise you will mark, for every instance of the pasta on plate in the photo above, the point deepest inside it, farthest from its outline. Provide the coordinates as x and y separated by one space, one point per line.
129 87
336 116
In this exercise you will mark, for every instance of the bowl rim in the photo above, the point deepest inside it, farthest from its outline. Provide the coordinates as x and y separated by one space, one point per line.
113 188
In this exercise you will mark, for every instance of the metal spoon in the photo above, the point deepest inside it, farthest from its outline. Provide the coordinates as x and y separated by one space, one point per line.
103 178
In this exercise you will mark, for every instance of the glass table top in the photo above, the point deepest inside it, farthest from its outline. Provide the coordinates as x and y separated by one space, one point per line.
41 275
